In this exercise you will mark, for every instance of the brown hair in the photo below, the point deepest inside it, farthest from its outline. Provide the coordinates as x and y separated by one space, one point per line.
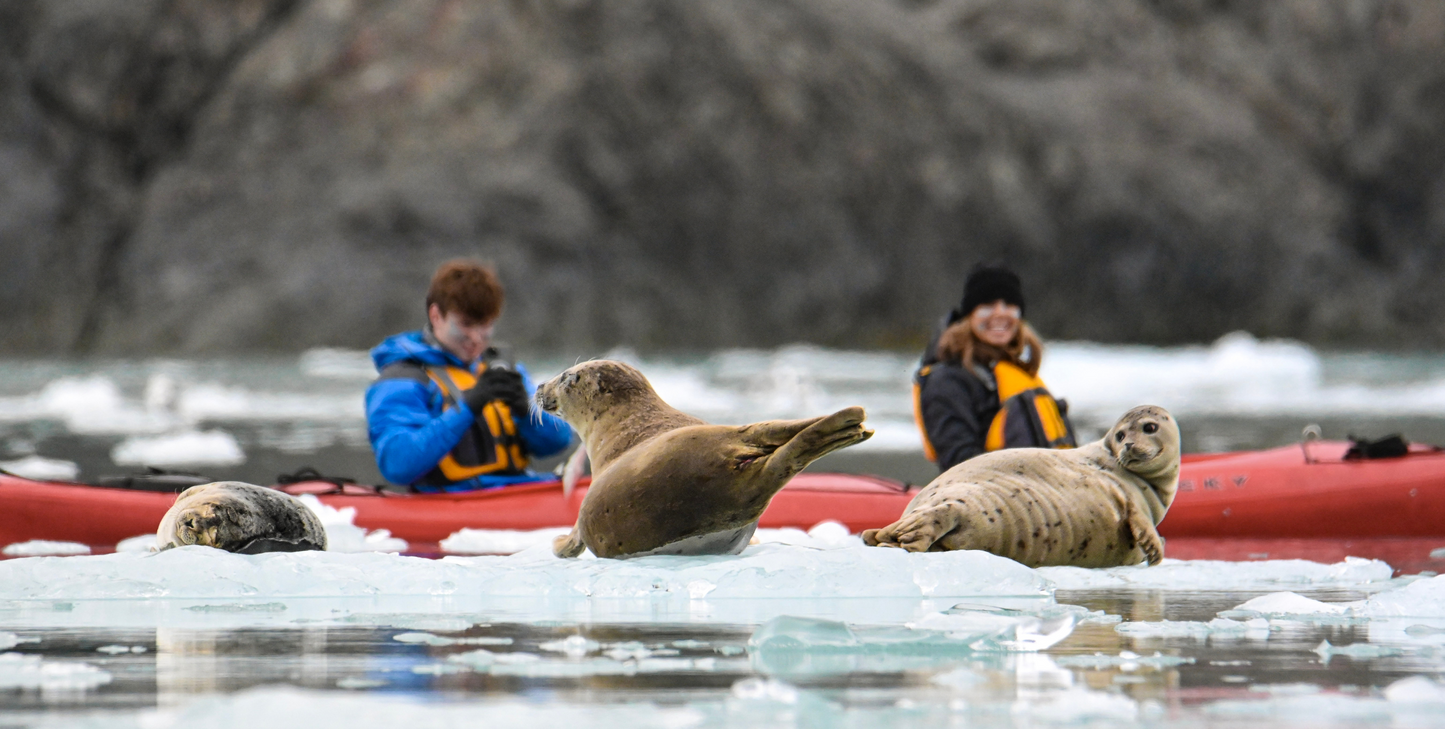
467 287
959 343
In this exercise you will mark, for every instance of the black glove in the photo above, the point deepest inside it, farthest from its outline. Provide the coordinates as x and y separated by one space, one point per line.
498 383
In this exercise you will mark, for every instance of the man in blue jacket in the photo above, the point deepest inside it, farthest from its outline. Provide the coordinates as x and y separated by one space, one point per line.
449 412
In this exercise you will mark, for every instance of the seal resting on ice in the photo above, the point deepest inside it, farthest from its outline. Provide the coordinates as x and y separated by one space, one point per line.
1093 506
665 482
241 518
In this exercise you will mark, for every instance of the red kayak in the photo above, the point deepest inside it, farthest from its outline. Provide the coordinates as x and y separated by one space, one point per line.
1225 500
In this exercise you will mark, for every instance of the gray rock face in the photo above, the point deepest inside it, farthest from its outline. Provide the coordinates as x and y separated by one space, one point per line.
199 176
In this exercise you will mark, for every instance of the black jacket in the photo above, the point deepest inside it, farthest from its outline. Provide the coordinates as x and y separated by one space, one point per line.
957 405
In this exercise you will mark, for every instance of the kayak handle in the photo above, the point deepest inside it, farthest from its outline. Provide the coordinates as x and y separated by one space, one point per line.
1311 433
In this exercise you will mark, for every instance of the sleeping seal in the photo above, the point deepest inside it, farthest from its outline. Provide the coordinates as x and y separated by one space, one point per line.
665 482
241 518
1094 506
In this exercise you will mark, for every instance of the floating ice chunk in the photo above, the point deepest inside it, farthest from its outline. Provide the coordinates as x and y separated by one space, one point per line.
42 547
958 678
41 469
1355 650
119 649
1421 598
137 544
575 646
1125 661
18 670
823 535
634 650
1076 706
240 607
1437 553
342 534
1217 575
990 628
1285 604
209 448
433 639
8 640
357 683
1415 690
759 689
499 541
1255 629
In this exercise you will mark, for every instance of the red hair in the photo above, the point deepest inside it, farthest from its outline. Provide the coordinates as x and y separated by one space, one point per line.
467 287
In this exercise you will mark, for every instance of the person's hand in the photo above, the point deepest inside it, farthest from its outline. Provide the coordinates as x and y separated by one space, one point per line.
498 383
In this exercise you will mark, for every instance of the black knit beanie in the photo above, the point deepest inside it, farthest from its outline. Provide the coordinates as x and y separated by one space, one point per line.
991 283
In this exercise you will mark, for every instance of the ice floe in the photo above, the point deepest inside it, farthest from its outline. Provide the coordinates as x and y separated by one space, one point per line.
499 541
763 571
190 448
1194 575
42 469
39 547
18 670
1125 661
1256 629
342 533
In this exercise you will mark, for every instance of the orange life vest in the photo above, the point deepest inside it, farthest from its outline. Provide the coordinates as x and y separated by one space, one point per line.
1028 416
491 445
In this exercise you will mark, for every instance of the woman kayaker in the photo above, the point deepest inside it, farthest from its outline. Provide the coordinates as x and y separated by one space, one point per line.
977 388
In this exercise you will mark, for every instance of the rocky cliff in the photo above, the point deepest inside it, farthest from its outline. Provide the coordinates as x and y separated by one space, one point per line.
199 176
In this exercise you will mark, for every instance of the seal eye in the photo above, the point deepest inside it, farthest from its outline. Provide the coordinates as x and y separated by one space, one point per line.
1119 436
1151 428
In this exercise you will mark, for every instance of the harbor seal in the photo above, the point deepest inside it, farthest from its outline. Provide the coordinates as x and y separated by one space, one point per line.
665 482
241 518
1094 506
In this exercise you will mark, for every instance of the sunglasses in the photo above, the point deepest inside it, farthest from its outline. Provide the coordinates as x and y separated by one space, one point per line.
984 311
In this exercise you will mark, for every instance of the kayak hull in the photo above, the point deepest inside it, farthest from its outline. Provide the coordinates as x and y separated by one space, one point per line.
1279 494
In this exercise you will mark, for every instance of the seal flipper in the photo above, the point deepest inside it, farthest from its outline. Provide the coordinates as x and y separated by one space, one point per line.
262 545
917 531
823 436
568 545
1146 536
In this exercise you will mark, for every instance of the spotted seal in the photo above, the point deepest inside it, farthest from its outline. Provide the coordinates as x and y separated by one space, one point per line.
242 518
1094 506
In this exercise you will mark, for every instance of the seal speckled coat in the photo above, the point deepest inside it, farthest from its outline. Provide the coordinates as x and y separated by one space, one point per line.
242 518
1094 506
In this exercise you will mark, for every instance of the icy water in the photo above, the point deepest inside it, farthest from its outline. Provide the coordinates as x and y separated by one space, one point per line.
253 419
802 631
814 635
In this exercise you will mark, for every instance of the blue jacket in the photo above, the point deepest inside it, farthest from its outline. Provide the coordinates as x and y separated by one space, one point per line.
410 433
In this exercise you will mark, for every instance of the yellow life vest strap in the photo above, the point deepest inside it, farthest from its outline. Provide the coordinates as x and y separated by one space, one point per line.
928 449
498 418
1025 395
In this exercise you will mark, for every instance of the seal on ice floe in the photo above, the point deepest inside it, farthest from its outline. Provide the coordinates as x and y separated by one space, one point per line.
1094 506
241 518
665 482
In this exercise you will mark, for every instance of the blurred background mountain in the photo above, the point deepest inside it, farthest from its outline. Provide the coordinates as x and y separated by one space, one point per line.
214 176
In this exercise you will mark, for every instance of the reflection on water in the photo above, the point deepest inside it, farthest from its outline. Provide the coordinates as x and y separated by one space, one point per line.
1096 672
